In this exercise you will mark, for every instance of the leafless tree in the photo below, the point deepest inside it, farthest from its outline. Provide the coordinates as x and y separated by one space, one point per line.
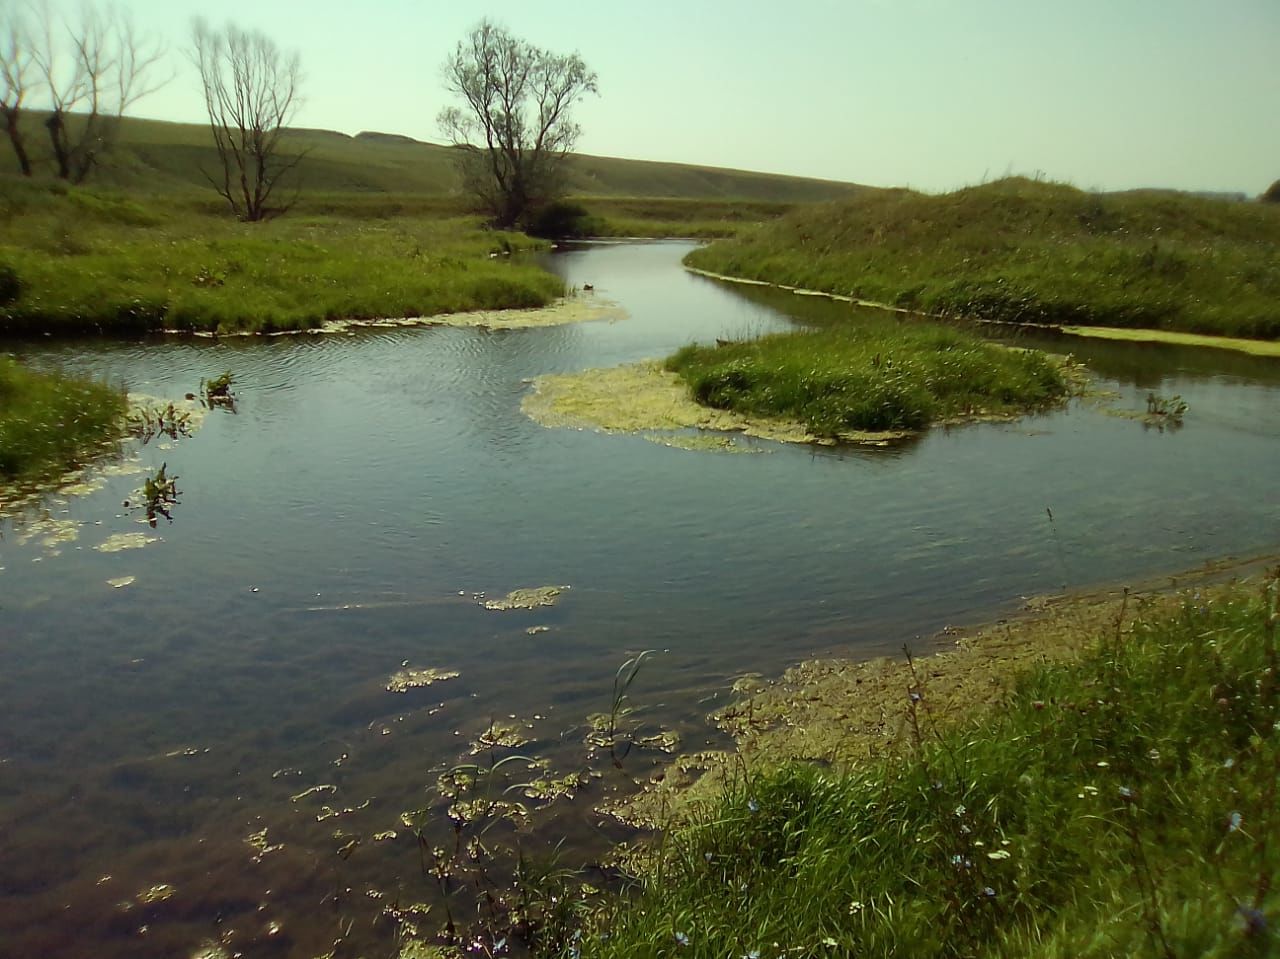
92 70
251 93
16 77
514 128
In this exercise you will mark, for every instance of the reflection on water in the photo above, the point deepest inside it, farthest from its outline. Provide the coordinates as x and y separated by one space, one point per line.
374 490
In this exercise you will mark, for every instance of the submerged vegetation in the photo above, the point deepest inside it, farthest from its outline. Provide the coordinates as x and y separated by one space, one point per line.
877 374
1025 251
51 423
1121 804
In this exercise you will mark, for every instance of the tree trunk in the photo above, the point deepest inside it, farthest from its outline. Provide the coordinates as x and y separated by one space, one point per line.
58 138
15 137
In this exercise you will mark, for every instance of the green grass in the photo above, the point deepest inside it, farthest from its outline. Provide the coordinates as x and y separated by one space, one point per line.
1121 805
51 423
1025 251
879 373
97 261
157 156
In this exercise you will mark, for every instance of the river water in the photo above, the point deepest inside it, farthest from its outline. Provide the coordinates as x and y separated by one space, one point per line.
347 517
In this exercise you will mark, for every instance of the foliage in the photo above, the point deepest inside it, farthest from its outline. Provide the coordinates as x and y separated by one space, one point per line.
93 262
1024 251
1272 195
878 373
51 423
250 93
217 391
515 127
1125 804
560 219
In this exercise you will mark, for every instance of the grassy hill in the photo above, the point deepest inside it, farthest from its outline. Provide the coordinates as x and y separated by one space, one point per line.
1029 251
160 156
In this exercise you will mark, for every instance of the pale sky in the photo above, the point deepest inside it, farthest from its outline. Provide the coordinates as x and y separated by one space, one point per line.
932 94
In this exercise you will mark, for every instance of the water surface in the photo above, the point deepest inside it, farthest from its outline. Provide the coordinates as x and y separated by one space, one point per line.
369 487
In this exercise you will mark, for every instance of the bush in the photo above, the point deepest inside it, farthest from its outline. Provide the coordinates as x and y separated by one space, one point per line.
559 220
1273 193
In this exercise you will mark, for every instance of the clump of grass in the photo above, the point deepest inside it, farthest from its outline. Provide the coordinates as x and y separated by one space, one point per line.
51 423
1026 251
1122 804
875 374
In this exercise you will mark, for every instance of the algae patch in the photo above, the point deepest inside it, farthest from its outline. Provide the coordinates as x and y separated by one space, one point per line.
1240 345
407 679
569 309
527 598
122 541
643 397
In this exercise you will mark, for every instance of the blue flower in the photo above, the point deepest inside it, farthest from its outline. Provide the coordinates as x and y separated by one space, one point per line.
682 939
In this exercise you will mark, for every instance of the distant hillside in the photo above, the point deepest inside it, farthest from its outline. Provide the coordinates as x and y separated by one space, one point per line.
156 155
1026 251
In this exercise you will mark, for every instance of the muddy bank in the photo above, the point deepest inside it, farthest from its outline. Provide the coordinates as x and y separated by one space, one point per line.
842 711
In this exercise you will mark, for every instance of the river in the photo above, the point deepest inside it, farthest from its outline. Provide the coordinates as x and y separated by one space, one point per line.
371 490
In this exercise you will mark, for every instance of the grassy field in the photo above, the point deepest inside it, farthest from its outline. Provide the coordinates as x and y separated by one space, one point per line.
1123 804
1027 251
882 373
168 157
90 261
50 423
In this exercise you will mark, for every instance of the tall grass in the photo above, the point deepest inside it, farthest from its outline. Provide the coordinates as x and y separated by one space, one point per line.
1121 805
1027 251
879 373
50 423
89 261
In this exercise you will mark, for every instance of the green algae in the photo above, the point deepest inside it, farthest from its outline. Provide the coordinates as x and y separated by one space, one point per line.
407 679
122 581
1240 345
530 597
117 542
566 310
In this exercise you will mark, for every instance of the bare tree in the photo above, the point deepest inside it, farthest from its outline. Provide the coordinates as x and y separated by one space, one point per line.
251 93
97 67
16 78
514 128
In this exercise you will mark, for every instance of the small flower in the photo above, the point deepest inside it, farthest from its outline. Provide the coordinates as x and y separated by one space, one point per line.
960 810
1125 793
1234 821
915 696
829 942
1103 764
753 806
1153 755
707 856
998 854
856 907
988 892
682 939
1229 762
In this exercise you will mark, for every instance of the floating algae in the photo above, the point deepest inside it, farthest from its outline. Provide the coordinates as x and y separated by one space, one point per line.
569 309
643 397
527 598
407 679
120 541
157 893
121 581
501 736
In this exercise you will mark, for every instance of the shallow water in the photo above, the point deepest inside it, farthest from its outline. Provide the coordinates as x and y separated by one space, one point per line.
369 487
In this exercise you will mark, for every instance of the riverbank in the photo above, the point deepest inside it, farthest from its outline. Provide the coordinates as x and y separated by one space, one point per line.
51 424
80 261
1096 776
1029 252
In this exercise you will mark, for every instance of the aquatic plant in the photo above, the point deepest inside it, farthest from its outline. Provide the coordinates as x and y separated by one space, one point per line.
157 496
217 391
149 421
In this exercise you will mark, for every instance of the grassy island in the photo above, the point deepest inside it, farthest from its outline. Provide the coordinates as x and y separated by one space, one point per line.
50 423
1028 251
1122 803
878 374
